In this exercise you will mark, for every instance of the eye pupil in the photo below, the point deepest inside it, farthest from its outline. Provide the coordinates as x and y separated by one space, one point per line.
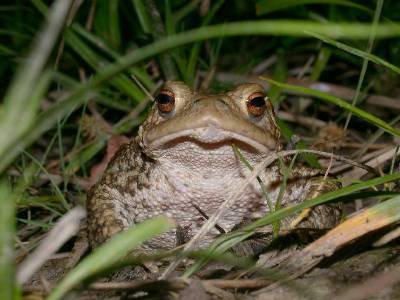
256 104
165 101
258 101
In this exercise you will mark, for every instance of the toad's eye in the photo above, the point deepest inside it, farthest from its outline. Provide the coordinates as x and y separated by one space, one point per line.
165 101
256 104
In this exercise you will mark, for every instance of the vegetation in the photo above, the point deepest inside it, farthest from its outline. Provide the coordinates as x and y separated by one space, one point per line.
77 75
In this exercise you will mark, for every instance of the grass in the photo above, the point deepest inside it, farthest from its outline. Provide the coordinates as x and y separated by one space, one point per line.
87 66
110 253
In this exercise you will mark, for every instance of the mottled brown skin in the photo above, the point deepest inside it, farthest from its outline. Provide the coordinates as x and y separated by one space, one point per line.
183 160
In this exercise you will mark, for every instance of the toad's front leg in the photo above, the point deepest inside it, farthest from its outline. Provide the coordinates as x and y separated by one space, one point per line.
305 184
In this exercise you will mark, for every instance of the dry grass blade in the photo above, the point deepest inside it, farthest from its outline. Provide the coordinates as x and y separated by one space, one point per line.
170 284
374 163
65 228
374 218
388 237
178 284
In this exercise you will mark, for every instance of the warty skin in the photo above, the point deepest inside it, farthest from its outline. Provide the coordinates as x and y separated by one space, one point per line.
182 160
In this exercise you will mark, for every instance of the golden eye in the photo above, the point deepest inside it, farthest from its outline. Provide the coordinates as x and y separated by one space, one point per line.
256 104
165 101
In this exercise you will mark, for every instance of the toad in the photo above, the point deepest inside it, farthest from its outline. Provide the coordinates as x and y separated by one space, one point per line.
182 165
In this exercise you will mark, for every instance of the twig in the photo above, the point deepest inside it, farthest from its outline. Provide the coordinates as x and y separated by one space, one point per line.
65 228
373 163
365 158
179 283
305 121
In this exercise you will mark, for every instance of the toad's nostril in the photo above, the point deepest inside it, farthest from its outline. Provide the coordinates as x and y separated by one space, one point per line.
211 103
220 101
221 104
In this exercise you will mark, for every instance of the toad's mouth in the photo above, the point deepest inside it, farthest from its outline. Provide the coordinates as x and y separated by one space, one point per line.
208 137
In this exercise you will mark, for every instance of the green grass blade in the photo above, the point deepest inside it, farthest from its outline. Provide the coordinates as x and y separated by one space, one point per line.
114 26
356 52
139 72
5 51
339 102
321 63
280 74
85 154
268 6
110 253
159 32
142 15
364 67
186 10
121 81
54 185
7 231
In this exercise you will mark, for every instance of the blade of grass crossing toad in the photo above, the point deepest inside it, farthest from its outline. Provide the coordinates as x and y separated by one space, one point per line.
109 253
264 191
227 241
322 199
287 133
339 102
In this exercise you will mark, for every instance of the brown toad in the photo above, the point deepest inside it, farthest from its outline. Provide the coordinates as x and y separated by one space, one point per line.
182 165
